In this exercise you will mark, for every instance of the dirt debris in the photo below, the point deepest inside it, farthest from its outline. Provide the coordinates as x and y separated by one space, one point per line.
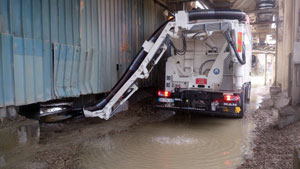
272 148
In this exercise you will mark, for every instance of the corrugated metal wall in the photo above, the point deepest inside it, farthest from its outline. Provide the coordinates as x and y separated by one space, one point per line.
64 48
152 20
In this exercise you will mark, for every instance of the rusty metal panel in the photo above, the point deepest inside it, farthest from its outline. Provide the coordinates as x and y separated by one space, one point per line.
51 49
112 32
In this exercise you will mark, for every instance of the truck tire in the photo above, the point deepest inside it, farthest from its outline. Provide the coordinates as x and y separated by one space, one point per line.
243 103
244 100
248 93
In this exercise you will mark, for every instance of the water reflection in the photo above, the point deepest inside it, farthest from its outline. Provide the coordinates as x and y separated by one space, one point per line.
179 140
2 161
15 138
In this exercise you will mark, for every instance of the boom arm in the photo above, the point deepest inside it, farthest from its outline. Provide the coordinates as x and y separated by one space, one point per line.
142 72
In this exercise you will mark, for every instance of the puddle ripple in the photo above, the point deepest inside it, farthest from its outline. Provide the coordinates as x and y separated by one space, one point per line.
181 142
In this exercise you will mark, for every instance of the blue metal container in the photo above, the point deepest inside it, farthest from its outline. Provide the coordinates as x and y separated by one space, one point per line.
51 49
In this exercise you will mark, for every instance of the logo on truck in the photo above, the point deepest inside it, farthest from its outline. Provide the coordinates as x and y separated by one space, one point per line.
216 71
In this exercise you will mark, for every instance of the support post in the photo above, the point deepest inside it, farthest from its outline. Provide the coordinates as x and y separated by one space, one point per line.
265 73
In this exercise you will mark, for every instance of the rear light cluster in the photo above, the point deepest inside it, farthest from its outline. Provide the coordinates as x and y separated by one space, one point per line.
227 98
164 93
231 98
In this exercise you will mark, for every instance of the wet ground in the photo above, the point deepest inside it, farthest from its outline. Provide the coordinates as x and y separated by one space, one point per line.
184 141
139 138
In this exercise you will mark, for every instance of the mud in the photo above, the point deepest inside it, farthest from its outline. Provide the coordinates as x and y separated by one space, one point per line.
58 145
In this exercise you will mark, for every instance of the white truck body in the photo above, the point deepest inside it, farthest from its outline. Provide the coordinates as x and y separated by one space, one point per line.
208 77
201 68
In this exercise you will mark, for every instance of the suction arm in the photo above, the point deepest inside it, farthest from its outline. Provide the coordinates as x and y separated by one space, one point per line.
126 86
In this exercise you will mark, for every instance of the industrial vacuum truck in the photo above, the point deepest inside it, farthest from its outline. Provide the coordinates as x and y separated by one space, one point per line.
208 68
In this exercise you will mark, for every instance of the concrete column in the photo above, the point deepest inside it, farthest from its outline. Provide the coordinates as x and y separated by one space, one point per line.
284 46
266 67
295 91
295 64
273 69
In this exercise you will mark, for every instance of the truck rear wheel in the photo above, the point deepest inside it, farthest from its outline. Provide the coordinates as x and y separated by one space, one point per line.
243 97
248 92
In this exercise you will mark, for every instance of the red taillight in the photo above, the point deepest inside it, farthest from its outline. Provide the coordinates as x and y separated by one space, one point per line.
164 93
230 98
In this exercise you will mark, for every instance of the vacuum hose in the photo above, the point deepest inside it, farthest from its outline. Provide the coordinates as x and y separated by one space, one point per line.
233 46
218 14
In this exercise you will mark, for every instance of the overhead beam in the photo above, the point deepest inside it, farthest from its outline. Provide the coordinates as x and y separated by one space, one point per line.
262 23
273 10
208 3
179 1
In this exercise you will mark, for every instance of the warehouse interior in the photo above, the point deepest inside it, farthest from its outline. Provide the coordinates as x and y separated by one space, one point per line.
59 58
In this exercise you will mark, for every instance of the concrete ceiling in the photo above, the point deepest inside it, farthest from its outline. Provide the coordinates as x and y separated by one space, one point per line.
245 5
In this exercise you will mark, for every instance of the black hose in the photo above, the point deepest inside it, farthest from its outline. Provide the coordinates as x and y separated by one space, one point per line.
217 14
184 47
155 34
201 67
233 46
130 71
176 50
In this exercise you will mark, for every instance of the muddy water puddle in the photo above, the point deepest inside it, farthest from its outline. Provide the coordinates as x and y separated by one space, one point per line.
16 141
184 141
